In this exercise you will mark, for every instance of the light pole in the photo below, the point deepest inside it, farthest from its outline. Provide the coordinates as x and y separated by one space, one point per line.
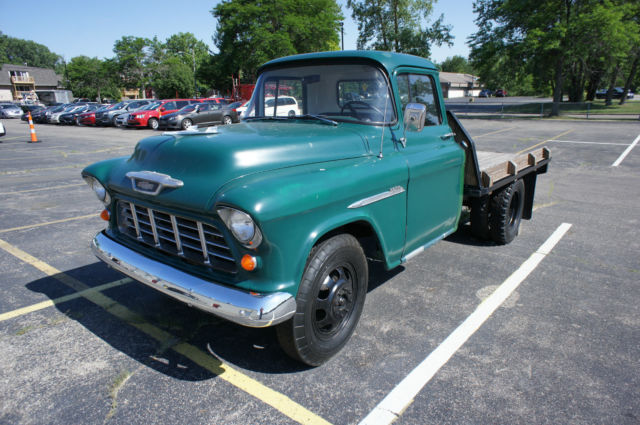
195 86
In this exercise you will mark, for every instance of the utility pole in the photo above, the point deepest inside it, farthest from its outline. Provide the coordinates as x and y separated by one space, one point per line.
195 85
342 33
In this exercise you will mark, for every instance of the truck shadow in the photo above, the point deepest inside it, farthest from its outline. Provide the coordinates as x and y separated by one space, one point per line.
464 237
149 327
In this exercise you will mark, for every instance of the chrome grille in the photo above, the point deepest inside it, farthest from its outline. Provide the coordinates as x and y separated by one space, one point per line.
192 240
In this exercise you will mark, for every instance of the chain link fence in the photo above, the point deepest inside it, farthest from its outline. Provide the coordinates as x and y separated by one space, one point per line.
583 110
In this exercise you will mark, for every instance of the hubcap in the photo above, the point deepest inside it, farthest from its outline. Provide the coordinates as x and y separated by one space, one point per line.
334 302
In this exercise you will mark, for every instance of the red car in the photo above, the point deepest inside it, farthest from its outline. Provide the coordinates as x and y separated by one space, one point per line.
89 118
148 116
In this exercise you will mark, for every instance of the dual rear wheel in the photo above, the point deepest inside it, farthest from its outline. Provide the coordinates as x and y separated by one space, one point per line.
498 216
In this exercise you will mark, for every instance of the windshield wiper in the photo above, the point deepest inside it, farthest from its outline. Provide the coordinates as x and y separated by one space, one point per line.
264 118
315 117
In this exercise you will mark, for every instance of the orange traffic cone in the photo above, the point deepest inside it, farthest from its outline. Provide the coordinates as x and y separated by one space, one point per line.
34 138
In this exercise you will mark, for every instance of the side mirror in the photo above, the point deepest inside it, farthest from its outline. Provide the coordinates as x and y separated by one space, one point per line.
415 115
163 109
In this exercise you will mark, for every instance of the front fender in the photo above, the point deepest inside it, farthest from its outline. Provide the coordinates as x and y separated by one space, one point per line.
296 206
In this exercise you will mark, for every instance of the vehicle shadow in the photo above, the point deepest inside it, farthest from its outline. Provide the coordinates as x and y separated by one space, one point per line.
463 236
148 327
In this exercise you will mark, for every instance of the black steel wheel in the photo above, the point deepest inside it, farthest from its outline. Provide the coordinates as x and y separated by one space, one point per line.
186 123
506 212
329 302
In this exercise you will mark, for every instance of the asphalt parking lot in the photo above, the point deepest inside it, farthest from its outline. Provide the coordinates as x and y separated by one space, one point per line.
79 343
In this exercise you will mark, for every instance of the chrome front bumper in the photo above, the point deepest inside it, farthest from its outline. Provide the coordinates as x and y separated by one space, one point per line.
235 305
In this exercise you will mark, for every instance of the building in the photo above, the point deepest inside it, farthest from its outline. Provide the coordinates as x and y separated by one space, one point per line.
459 85
20 82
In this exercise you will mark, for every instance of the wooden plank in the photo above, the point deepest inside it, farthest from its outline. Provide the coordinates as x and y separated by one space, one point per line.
497 166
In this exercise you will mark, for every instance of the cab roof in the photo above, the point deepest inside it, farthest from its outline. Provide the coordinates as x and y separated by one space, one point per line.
388 60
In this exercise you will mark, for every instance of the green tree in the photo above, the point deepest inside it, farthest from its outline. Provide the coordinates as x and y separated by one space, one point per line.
26 52
132 57
250 33
92 78
172 78
564 46
397 25
456 64
191 51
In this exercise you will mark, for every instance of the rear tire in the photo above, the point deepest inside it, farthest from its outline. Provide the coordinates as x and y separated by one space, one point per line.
506 212
329 302
226 120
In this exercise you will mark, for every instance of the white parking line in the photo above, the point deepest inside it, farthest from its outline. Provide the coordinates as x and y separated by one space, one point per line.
626 152
589 143
392 406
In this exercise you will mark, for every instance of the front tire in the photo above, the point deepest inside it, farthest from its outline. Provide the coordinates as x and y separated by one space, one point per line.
329 302
186 123
153 123
506 212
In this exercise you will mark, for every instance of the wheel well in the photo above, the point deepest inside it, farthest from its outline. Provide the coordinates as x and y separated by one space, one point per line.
364 233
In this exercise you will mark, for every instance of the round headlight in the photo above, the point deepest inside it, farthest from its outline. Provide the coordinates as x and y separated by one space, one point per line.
98 189
242 226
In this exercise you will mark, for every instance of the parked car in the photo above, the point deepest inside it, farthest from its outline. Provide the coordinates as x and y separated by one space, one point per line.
202 115
72 117
2 130
241 109
500 93
287 106
617 93
108 117
32 107
54 118
149 117
10 111
485 93
220 100
44 118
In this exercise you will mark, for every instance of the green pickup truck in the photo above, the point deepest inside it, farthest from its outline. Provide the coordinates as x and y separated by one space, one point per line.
271 222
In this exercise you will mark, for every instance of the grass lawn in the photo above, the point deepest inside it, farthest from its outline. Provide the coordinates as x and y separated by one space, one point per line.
597 107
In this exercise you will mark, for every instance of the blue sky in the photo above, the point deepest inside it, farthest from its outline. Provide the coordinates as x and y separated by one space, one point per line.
72 28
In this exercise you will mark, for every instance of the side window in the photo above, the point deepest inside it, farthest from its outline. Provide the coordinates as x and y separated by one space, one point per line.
169 106
181 104
204 107
417 88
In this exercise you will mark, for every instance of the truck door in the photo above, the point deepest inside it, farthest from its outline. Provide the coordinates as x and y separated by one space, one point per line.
435 162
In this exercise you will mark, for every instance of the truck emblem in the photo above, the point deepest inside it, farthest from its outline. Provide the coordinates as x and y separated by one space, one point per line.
152 183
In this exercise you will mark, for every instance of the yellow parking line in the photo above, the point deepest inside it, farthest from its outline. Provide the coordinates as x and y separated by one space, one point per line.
13 138
44 304
543 142
42 169
64 220
42 188
277 400
494 132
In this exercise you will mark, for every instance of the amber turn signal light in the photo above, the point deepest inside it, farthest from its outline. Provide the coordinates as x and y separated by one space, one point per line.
105 215
248 262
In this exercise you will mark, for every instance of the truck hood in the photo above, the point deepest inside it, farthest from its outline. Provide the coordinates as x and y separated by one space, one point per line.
205 162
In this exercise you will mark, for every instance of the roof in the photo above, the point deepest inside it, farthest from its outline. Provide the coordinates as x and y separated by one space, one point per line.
389 60
457 79
41 76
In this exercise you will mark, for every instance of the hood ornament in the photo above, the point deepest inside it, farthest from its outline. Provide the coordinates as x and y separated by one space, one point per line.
152 183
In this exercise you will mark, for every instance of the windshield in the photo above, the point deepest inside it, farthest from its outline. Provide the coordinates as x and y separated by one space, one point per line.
187 109
343 92
150 106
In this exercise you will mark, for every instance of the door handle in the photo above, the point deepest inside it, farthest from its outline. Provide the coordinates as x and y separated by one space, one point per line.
447 136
